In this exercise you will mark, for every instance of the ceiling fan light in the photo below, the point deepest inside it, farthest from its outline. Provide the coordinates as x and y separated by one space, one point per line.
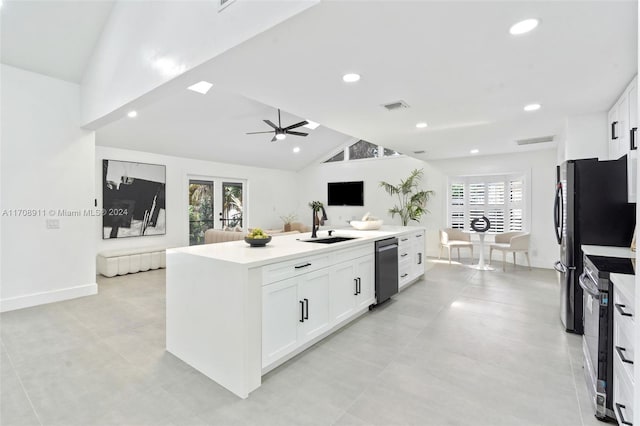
280 136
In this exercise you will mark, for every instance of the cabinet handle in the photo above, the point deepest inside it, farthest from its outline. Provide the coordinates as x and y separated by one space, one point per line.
302 266
419 235
403 275
632 138
306 315
620 309
355 280
621 354
404 239
404 254
613 130
419 258
359 285
301 311
619 408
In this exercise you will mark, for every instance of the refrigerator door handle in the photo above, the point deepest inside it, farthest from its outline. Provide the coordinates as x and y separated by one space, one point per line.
586 287
558 213
562 268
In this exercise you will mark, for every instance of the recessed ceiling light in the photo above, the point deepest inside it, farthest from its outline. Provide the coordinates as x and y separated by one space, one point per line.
296 149
311 125
524 27
351 78
280 136
532 107
421 125
202 87
474 151
132 114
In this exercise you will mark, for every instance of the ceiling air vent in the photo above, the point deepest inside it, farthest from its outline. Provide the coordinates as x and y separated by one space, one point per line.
532 141
419 152
392 106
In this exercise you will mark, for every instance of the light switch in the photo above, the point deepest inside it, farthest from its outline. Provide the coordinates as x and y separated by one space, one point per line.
53 223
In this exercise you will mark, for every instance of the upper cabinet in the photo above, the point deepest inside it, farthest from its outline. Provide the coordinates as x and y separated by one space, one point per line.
623 127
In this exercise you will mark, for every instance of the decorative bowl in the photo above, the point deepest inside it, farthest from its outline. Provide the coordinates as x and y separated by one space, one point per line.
257 242
366 225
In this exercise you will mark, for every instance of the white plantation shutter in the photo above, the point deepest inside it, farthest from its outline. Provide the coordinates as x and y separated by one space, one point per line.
500 198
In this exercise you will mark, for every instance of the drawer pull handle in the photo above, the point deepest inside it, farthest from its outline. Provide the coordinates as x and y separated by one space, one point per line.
404 254
621 354
619 408
302 266
403 275
620 309
404 239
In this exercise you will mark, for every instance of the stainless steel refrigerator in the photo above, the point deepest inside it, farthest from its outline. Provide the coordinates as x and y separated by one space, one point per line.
590 208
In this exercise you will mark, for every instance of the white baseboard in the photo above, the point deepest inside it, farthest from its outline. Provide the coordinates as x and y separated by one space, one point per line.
35 299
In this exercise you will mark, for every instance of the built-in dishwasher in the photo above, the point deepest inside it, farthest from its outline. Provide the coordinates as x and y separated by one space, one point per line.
386 269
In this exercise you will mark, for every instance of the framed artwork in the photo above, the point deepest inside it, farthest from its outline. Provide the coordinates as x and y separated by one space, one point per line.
133 199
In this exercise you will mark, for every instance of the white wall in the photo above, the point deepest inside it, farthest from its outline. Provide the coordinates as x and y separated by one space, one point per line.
270 194
147 43
47 164
540 164
584 136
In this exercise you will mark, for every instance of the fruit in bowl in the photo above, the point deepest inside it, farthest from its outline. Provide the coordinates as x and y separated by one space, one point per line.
257 238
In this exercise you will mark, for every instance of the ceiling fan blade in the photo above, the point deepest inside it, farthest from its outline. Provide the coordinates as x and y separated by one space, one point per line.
270 124
296 133
279 122
274 139
255 133
293 126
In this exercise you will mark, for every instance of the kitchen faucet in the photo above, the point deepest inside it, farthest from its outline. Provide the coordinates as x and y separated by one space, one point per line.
314 209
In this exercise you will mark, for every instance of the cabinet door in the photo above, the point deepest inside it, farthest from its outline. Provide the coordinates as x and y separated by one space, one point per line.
418 255
343 291
313 290
281 315
613 130
622 130
365 273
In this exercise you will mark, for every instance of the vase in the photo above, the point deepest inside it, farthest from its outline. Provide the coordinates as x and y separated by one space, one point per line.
287 227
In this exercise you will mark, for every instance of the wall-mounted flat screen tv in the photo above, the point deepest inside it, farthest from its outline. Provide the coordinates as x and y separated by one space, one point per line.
345 193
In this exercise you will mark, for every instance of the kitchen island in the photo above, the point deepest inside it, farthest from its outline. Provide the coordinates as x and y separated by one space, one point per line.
235 312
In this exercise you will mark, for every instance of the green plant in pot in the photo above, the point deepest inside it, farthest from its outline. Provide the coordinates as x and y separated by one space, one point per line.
412 201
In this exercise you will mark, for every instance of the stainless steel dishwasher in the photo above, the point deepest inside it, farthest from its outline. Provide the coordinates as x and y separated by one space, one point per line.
386 269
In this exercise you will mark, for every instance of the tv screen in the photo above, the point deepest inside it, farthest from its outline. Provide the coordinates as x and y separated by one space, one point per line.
346 193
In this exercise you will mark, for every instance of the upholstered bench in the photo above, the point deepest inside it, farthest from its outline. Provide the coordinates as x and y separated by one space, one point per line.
129 261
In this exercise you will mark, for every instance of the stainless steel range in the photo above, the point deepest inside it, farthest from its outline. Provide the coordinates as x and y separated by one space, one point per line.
597 340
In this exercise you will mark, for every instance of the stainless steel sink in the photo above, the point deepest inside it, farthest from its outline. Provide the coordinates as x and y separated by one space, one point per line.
329 240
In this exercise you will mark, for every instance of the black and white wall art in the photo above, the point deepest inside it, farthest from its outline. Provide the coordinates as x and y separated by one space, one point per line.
133 199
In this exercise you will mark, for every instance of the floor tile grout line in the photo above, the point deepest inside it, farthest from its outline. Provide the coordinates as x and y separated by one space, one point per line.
575 384
33 408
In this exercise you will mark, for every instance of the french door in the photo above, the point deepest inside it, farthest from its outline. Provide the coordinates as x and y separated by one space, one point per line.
214 203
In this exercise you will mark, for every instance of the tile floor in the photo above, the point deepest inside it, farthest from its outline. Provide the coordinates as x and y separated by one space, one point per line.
461 347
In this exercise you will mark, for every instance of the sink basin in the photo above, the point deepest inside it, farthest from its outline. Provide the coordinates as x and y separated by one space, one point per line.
329 240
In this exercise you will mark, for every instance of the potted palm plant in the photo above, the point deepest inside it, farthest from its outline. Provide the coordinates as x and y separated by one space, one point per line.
412 201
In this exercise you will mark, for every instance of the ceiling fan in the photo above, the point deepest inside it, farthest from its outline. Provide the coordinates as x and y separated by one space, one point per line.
282 132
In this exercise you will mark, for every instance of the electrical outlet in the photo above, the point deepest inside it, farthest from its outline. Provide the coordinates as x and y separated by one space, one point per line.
53 223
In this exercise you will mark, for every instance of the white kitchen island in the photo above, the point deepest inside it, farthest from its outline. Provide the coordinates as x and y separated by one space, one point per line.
235 312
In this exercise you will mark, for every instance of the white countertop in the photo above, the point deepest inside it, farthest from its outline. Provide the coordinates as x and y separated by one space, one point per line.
623 280
609 251
285 247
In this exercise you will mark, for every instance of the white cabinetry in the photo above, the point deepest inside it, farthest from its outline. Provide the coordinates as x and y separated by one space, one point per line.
410 257
300 306
622 130
623 349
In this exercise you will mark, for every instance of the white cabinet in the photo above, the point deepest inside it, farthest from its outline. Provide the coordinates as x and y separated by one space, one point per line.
622 130
294 311
410 257
623 349
352 287
365 273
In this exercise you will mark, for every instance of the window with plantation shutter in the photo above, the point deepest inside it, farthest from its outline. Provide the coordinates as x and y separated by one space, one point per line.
501 198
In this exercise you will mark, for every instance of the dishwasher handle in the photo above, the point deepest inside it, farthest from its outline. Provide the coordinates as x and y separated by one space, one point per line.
389 247
593 292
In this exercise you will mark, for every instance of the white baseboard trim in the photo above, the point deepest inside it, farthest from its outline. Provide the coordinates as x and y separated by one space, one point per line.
35 299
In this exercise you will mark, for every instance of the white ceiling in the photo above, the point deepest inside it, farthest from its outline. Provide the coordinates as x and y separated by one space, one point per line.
453 62
214 126
55 38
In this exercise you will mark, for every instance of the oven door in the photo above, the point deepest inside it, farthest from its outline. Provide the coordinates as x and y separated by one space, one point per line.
594 343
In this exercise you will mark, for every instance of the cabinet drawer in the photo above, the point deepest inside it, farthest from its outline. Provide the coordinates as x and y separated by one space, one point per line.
403 241
352 253
291 268
622 394
623 348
